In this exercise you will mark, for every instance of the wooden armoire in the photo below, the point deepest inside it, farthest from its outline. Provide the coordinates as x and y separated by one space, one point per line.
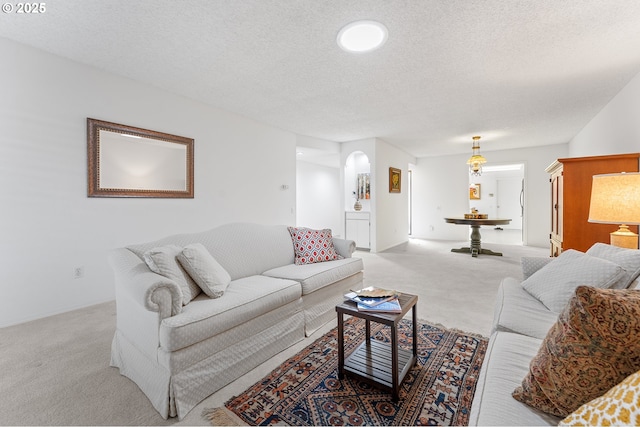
570 197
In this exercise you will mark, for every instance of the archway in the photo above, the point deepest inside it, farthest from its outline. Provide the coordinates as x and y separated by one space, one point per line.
357 181
358 192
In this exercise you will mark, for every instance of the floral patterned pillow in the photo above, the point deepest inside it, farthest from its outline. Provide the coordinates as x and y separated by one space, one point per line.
312 246
594 345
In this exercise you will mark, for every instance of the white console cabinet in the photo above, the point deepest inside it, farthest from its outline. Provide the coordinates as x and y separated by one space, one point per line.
357 228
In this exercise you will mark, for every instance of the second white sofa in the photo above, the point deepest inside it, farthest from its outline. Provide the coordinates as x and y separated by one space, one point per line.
522 321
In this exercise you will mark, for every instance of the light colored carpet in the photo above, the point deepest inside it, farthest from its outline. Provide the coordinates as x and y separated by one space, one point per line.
55 371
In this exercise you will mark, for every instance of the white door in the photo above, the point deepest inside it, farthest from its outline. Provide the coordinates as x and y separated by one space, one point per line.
508 201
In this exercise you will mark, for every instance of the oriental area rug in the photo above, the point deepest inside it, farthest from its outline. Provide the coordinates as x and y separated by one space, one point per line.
306 391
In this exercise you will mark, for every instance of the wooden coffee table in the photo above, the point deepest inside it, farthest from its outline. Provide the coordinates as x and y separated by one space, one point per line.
373 361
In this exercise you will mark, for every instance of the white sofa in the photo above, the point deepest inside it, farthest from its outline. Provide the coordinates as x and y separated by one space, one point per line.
180 354
521 322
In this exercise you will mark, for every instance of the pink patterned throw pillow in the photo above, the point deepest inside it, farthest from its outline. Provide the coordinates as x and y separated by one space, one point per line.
312 246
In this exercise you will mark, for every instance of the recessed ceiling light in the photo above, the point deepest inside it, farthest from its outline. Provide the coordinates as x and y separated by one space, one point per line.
362 36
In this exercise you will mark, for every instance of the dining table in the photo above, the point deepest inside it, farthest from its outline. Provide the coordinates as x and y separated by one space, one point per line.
475 247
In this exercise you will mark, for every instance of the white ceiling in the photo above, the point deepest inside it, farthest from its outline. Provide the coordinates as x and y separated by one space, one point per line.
519 73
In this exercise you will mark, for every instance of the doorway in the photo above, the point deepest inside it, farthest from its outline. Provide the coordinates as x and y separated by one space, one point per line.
499 192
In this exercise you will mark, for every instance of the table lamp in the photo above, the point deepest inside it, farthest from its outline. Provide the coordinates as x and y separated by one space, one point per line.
615 199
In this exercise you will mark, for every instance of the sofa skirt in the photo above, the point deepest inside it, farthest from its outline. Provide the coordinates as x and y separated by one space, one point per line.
320 306
149 376
176 393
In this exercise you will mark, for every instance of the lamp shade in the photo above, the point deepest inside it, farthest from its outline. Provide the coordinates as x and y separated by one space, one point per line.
615 199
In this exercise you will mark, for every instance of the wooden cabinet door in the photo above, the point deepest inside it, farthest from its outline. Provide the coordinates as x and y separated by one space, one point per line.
555 171
556 207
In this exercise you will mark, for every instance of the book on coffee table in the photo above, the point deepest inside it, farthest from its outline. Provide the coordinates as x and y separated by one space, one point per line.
371 296
390 306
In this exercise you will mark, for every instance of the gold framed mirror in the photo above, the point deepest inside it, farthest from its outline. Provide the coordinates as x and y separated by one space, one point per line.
126 161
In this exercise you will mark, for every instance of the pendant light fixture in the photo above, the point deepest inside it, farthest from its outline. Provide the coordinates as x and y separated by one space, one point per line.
476 160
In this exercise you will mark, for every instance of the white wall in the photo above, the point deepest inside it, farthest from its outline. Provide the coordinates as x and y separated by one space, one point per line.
319 197
318 186
392 215
50 226
615 130
440 189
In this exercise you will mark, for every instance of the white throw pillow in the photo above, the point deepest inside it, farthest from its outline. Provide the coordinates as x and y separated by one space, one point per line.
532 264
628 259
212 278
162 260
555 283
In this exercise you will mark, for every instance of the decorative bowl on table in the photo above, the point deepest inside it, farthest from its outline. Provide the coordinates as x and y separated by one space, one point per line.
475 215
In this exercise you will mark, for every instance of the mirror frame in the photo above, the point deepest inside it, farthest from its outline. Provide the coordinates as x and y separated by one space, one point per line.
94 127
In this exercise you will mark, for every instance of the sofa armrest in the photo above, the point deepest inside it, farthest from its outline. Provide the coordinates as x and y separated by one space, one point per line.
149 290
532 264
344 247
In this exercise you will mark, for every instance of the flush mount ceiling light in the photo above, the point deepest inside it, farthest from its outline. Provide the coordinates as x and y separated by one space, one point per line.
362 36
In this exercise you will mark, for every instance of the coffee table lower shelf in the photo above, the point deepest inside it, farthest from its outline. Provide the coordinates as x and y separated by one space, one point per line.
371 362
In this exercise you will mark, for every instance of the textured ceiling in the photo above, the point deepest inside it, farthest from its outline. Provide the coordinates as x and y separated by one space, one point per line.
519 73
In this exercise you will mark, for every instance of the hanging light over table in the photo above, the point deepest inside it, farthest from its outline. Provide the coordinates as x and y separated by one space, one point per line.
476 160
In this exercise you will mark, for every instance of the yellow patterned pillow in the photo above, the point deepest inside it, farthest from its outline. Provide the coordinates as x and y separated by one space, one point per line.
620 406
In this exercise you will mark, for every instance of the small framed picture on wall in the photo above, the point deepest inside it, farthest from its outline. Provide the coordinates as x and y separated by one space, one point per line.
395 180
474 192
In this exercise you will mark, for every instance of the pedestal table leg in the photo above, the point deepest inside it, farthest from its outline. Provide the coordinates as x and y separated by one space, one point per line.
475 240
